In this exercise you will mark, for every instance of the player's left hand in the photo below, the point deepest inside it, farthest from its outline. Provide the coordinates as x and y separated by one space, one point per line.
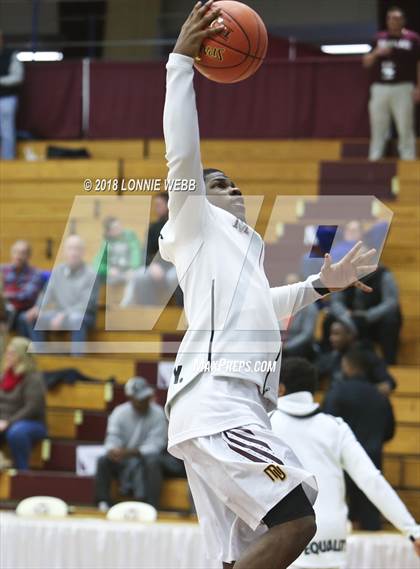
348 271
416 94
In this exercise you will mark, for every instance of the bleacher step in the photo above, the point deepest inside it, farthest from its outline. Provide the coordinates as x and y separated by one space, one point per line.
79 489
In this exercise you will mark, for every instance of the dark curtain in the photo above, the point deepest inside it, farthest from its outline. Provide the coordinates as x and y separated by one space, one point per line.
126 100
321 98
341 90
258 107
50 103
316 98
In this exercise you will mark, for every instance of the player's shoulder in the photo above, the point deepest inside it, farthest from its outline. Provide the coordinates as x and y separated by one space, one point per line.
319 420
411 34
338 430
121 410
342 430
332 421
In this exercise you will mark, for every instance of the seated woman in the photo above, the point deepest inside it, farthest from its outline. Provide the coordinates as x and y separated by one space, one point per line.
22 402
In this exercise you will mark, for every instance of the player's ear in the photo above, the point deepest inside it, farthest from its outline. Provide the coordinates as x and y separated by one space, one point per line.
282 390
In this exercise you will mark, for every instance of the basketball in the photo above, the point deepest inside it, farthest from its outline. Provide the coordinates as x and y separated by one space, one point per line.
238 51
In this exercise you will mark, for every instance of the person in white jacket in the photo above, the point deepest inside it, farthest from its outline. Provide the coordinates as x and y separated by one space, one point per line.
327 447
252 496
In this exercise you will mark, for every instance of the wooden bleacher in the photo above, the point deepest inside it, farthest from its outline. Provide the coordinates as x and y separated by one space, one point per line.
36 202
96 368
62 423
212 150
93 396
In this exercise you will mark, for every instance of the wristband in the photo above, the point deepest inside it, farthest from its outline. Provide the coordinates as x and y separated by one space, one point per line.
320 288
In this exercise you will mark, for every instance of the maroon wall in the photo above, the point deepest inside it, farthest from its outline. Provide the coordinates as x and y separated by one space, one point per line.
307 98
50 102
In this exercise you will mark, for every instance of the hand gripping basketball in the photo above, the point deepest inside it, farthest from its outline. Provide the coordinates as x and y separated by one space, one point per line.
196 29
238 50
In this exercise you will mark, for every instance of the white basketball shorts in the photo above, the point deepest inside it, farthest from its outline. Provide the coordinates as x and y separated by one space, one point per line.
236 477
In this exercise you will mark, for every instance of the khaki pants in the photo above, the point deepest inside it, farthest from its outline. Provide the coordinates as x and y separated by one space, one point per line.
394 101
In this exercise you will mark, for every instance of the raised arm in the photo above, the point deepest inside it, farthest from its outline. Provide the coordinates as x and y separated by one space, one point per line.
289 299
180 120
180 126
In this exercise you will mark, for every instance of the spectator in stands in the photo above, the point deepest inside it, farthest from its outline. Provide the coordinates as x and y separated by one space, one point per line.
155 285
135 439
22 402
298 332
11 78
370 416
120 253
327 447
160 205
343 337
3 319
395 61
21 282
377 315
69 300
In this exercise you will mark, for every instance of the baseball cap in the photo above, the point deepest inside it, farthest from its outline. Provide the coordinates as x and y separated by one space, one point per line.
138 388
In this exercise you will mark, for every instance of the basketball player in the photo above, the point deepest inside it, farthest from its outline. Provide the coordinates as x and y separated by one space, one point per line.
327 446
253 498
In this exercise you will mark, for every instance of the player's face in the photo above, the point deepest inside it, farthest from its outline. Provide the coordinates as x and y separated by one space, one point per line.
140 406
11 358
340 338
395 22
115 229
161 207
20 254
73 252
222 192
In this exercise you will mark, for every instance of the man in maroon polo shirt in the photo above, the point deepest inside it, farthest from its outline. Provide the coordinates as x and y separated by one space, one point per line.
395 63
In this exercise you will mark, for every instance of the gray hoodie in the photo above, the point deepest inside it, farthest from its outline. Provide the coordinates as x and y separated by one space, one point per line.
127 428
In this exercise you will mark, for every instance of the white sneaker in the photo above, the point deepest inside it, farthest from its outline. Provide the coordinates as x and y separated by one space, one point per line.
103 507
